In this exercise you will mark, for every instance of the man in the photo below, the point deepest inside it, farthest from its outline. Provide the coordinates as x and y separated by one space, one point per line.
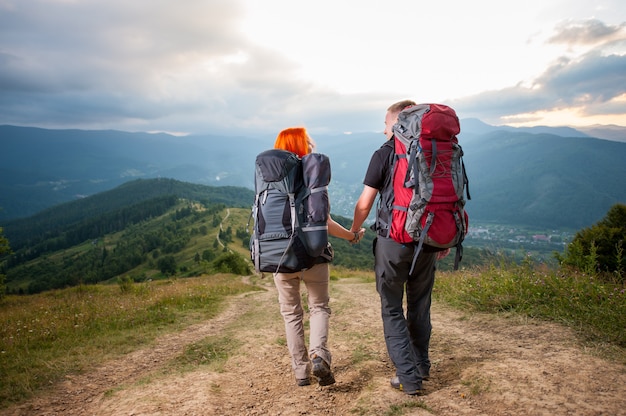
407 339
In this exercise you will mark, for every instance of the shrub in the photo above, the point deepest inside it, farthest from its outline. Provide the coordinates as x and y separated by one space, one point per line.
167 265
125 283
600 248
232 263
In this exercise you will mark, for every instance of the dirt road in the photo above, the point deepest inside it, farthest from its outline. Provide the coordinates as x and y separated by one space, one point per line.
482 365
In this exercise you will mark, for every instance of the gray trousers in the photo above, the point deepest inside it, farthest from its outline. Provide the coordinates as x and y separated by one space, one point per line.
407 338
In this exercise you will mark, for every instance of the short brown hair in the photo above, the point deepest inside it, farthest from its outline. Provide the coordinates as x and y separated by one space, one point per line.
400 105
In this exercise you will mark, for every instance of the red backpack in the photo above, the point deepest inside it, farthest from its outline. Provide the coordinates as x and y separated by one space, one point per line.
425 198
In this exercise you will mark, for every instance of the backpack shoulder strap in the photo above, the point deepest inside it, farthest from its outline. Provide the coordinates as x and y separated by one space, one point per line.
385 194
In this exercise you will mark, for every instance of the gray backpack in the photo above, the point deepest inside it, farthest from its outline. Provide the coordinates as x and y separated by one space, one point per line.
290 212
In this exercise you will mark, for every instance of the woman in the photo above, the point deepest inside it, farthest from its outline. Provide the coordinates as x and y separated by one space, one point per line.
316 279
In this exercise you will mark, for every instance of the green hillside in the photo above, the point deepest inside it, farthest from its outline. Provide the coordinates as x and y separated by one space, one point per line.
187 239
139 227
149 229
103 206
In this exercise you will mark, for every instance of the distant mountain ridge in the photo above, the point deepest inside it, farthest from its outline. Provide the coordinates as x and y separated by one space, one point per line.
473 126
520 176
610 132
545 180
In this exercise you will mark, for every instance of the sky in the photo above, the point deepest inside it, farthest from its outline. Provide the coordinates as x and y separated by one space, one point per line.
244 67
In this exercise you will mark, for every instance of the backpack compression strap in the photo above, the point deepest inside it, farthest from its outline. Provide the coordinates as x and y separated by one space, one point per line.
253 214
433 160
465 180
292 207
412 169
385 200
418 249
458 256
313 191
459 247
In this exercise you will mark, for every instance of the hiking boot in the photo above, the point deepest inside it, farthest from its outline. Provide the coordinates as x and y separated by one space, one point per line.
303 382
321 370
395 383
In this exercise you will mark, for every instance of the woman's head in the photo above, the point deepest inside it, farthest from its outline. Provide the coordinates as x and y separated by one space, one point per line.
295 140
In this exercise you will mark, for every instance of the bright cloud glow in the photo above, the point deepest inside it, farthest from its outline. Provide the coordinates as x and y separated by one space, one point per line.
572 116
256 66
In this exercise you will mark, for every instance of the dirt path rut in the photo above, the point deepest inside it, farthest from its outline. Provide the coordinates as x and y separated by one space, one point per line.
482 365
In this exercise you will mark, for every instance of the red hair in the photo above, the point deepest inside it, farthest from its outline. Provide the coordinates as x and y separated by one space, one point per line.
295 140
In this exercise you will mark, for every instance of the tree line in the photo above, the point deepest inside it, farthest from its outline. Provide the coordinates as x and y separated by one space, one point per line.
102 257
155 239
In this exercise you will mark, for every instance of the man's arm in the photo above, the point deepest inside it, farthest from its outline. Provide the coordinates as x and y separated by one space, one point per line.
363 207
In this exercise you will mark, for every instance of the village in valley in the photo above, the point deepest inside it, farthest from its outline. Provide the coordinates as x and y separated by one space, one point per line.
519 241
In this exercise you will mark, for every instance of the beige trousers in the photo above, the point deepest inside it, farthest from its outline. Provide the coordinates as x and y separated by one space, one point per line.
316 281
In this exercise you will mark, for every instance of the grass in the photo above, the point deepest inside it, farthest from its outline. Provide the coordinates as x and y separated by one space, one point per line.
358 276
361 354
592 305
47 336
211 351
400 409
477 385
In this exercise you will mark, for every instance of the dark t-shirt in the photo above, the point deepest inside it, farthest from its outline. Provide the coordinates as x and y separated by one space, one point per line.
379 167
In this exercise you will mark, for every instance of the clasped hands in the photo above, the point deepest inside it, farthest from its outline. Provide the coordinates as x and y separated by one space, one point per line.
358 235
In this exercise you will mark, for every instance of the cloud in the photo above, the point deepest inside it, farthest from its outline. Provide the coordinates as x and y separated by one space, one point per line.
143 65
586 32
193 66
132 60
593 83
592 79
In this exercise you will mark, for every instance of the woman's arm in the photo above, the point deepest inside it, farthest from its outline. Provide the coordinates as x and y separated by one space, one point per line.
337 230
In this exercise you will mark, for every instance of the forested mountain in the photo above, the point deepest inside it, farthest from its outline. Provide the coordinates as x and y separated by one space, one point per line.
542 179
83 206
147 229
548 177
517 177
113 210
141 227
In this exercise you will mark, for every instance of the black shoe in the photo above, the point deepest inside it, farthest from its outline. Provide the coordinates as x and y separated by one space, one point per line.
321 370
395 383
303 382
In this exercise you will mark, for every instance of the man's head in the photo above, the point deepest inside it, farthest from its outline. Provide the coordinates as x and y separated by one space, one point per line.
391 117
